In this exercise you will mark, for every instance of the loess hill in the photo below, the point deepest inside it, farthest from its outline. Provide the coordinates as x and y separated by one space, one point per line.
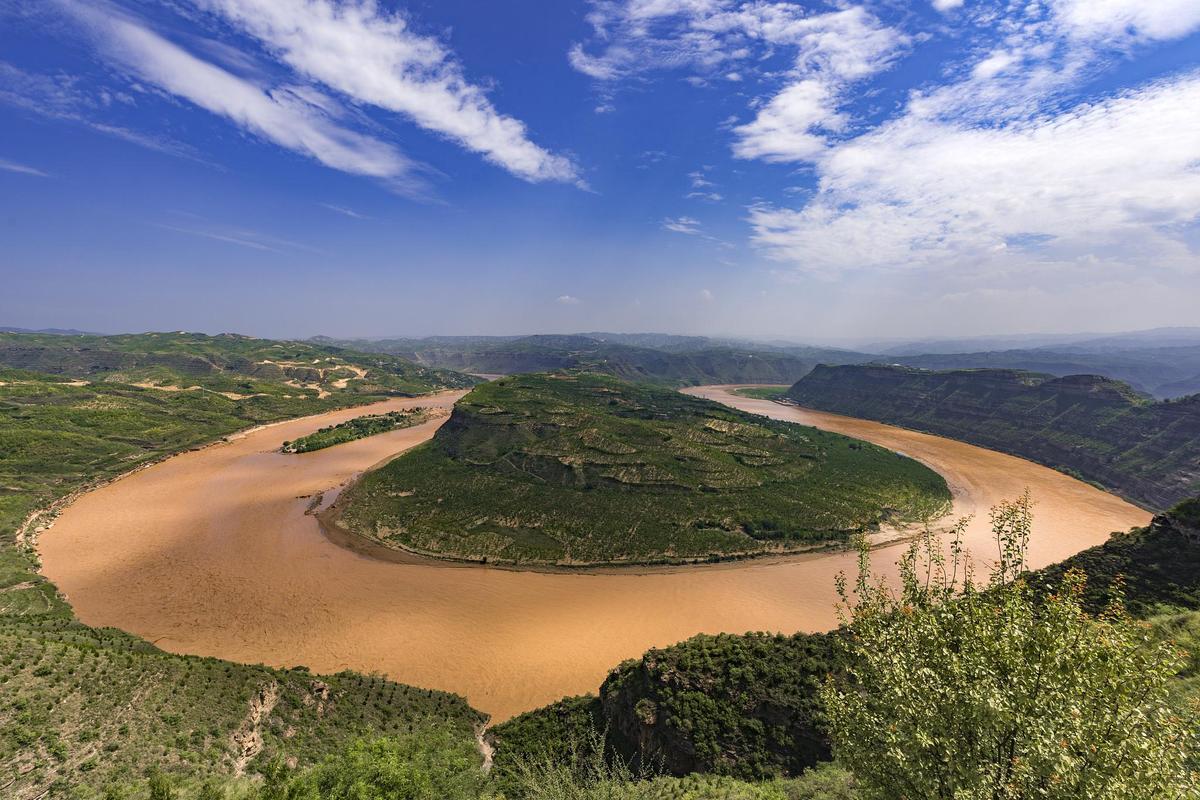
579 468
81 708
234 366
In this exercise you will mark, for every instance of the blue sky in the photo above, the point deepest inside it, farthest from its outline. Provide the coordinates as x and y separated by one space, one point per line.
751 167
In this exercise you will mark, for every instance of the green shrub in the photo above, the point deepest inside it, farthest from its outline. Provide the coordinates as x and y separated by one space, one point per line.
1003 690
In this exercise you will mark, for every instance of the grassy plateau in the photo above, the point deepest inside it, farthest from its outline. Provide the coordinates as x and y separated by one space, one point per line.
580 468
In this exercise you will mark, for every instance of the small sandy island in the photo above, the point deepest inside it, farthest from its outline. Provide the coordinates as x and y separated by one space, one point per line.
212 552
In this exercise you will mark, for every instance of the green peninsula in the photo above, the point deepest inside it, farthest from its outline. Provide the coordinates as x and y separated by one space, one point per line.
576 469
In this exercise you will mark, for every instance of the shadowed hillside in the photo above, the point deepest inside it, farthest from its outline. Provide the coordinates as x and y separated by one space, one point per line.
1085 425
1164 371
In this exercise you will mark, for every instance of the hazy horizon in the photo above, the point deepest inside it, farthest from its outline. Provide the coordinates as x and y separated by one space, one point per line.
1001 341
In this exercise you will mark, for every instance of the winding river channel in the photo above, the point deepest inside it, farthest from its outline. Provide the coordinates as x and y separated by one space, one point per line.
212 553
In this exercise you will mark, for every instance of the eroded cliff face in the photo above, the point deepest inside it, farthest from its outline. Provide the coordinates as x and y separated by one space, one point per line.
1090 426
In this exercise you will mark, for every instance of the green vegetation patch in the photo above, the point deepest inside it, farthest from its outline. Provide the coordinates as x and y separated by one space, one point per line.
233 366
744 706
747 705
579 468
358 428
82 708
87 707
762 392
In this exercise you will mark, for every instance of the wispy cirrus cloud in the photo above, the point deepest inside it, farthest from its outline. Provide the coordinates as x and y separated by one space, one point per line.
280 117
372 56
317 67
345 212
196 225
688 225
64 98
22 169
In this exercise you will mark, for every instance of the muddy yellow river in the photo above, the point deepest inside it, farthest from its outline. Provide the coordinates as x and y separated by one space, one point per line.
211 552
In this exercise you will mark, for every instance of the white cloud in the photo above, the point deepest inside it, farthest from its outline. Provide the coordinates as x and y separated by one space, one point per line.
567 300
788 127
280 117
22 169
994 172
947 5
706 295
1115 181
688 225
829 52
372 56
1119 21
602 68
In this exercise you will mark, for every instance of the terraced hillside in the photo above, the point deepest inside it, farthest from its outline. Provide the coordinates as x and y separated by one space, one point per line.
1092 427
235 366
579 468
82 707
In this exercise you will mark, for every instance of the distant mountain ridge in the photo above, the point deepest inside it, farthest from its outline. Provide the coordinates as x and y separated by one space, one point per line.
1164 372
1162 363
1153 337
1089 425
646 357
48 331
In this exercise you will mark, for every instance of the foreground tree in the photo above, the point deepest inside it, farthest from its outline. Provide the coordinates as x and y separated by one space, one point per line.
1001 689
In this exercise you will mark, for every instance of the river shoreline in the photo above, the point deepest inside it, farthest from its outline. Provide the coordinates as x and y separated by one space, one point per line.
216 552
